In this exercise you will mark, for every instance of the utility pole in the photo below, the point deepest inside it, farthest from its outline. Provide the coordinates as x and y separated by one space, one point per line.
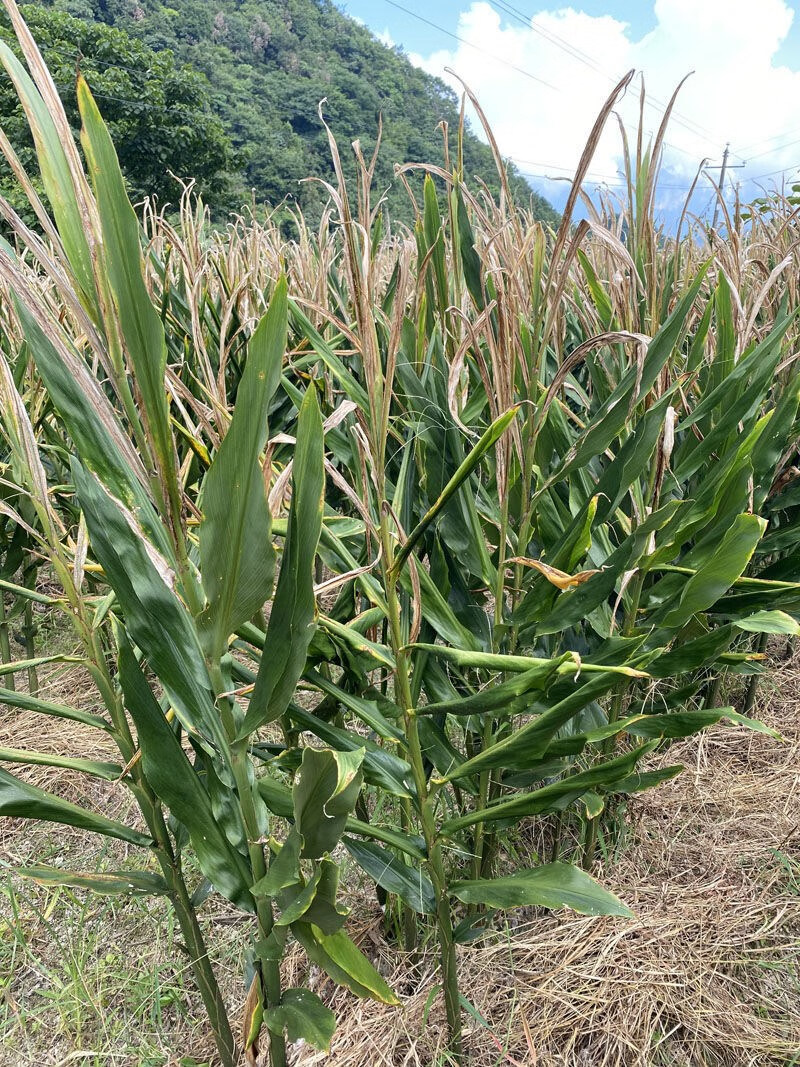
721 185
723 170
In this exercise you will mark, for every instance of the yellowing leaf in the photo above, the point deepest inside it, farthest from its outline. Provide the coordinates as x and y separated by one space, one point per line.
252 1018
560 579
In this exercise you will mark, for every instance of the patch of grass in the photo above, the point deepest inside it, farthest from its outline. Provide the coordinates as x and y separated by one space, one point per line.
105 978
790 870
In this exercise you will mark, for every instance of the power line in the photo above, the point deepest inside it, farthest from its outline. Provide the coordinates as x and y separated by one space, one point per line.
182 109
92 58
708 205
469 44
772 173
602 179
772 151
588 61
684 151
617 181
189 113
766 140
607 179
556 166
550 35
723 168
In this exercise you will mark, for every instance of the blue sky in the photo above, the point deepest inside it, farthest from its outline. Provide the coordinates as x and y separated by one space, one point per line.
745 88
414 36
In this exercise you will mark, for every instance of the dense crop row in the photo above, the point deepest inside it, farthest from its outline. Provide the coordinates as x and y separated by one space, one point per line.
384 545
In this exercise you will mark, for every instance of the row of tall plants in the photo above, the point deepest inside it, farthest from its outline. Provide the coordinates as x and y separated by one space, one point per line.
379 546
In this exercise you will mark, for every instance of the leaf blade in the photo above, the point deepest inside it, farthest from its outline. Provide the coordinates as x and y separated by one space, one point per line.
553 885
293 616
25 801
236 554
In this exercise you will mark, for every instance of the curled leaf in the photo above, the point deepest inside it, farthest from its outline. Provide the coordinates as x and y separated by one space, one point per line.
558 578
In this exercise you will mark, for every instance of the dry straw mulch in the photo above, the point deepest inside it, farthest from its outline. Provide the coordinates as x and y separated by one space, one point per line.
706 975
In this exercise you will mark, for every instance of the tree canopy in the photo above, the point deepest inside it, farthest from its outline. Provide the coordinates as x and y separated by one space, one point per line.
227 92
158 108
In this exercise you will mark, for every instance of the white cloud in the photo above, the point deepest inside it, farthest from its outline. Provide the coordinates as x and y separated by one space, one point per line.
738 92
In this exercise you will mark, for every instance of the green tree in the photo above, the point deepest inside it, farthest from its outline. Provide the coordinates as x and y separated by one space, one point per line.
271 62
157 108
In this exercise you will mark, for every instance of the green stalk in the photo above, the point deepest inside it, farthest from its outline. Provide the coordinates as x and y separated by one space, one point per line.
526 523
490 841
410 927
558 831
447 949
5 644
169 862
150 807
712 697
193 937
628 626
77 610
270 969
484 847
752 685
425 799
29 631
480 804
500 589
589 844
240 765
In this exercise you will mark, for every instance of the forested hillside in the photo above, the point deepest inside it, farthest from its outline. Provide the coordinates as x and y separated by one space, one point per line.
227 92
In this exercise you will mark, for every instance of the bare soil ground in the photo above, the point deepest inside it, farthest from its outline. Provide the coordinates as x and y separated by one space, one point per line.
706 975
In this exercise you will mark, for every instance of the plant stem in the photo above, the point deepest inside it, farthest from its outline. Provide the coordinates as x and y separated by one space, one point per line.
30 631
444 922
483 796
489 854
78 611
558 830
447 949
270 968
713 693
752 685
425 800
169 862
195 943
5 644
589 844
628 627
410 930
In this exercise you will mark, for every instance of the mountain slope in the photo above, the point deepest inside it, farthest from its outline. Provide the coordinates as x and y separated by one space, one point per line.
268 64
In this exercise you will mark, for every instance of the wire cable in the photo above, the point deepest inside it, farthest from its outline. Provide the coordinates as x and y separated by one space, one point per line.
469 44
766 140
772 173
772 151
583 57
